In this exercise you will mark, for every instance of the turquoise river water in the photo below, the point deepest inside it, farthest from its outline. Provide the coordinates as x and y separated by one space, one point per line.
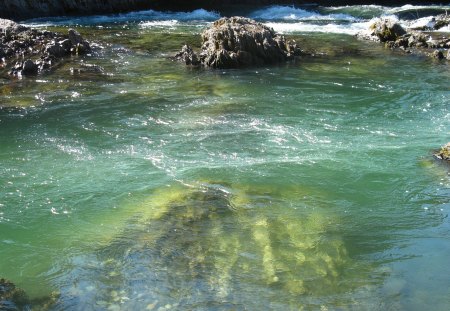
131 182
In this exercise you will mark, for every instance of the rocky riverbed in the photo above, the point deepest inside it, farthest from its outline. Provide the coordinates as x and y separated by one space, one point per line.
28 51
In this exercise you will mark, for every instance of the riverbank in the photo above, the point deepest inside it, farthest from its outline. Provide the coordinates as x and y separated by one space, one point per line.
19 10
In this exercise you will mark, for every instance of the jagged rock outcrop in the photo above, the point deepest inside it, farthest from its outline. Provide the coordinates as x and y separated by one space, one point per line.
387 30
28 51
394 36
239 42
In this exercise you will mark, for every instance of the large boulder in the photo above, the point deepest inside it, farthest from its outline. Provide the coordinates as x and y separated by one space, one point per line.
240 42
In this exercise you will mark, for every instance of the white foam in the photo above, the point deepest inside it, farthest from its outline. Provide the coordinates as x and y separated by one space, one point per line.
160 23
140 16
350 29
288 13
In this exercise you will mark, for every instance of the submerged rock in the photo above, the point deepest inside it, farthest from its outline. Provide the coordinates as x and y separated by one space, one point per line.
443 153
11 297
239 42
41 49
197 245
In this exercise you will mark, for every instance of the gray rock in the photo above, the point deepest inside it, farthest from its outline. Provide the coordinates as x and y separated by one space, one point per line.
238 42
448 55
188 56
10 26
386 30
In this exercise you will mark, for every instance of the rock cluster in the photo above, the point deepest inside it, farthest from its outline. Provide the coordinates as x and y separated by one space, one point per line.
31 50
239 42
394 36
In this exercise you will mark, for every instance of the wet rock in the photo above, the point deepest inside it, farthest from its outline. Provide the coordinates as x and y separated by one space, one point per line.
239 42
43 48
443 153
29 67
11 297
188 56
412 41
441 21
437 54
386 30
55 50
81 45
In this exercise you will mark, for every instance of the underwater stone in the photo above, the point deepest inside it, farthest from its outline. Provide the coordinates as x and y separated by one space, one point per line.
11 297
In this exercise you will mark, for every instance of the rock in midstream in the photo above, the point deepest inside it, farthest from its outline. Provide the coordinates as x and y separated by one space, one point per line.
239 42
417 41
27 51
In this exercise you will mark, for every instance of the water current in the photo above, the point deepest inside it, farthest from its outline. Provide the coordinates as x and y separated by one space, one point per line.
131 182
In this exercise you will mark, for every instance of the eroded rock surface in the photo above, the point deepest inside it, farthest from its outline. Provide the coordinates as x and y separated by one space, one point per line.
239 42
411 40
27 51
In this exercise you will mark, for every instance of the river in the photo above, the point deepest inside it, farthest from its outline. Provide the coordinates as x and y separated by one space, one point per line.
131 182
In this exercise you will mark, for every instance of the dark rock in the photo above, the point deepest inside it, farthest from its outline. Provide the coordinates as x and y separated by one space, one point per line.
387 30
48 47
188 56
11 297
441 21
66 44
443 153
55 50
29 68
239 42
81 45
437 54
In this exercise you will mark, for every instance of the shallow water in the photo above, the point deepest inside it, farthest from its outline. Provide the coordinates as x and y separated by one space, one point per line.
138 183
